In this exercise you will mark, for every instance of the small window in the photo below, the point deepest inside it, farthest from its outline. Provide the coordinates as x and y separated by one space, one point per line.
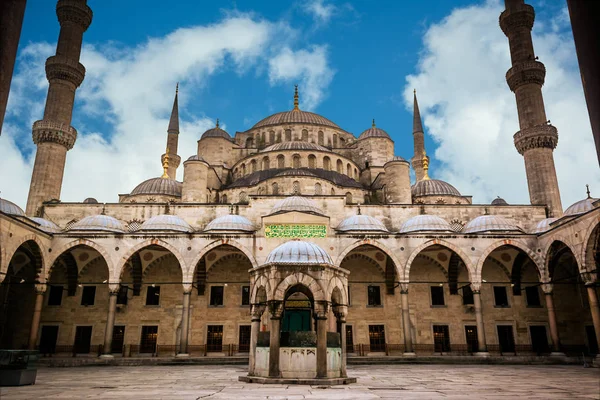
349 301
437 296
153 296
533 296
500 296
88 295
55 295
122 295
467 293
374 296
216 295
245 295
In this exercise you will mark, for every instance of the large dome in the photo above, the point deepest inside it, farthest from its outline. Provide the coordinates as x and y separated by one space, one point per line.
427 223
582 206
373 132
295 145
45 225
433 187
166 223
164 186
216 132
8 207
295 117
230 223
361 223
296 203
490 223
299 252
99 223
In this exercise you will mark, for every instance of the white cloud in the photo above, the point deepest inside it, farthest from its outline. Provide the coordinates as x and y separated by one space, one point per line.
470 112
128 92
320 11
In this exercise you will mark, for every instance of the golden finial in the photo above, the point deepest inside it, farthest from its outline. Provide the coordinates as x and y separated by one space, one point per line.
425 167
217 122
296 108
587 187
165 165
373 124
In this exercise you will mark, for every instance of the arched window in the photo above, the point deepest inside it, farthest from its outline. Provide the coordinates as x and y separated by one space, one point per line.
321 138
271 137
249 142
257 139
253 165
278 137
318 189
224 198
326 163
243 169
349 170
267 164
332 192
348 198
340 166
243 198
296 188
355 174
304 135
440 201
281 161
263 138
335 141
312 161
288 135
296 161
275 188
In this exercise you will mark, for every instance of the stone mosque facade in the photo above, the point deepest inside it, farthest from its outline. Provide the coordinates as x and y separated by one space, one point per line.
297 225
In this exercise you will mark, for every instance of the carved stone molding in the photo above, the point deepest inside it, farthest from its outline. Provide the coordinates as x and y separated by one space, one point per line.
49 131
513 19
524 73
75 11
62 68
538 136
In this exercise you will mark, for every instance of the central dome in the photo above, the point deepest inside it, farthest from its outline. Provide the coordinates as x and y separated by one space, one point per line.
296 145
433 187
295 117
299 252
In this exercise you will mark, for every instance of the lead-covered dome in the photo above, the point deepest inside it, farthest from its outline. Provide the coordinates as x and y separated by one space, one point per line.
374 132
360 223
45 225
8 207
298 252
166 222
581 207
216 132
295 117
295 145
163 186
296 203
230 223
490 223
543 225
99 223
425 223
433 187
499 201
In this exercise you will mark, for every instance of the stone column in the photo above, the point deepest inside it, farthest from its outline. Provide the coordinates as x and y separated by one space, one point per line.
408 344
40 289
275 311
340 313
256 313
552 321
482 346
113 292
321 317
185 322
595 310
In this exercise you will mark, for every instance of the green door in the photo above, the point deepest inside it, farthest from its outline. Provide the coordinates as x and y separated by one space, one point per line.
296 320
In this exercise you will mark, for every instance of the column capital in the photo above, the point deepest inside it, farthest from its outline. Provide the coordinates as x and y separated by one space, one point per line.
275 309
257 311
476 287
40 288
187 287
114 288
321 309
547 287
589 278
403 287
341 312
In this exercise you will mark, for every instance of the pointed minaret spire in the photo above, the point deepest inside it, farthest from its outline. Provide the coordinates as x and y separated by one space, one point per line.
296 103
171 156
420 158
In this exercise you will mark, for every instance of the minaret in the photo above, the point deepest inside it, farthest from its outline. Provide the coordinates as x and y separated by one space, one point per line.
173 139
54 135
537 139
419 139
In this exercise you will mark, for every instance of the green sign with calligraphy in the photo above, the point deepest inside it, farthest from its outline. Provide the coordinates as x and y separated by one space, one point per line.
295 231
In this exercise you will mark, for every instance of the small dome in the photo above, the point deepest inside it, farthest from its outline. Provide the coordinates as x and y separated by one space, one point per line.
397 158
296 145
45 225
361 223
298 252
373 132
216 132
164 186
195 157
490 223
166 223
90 200
426 223
230 223
99 223
296 203
581 207
295 117
543 225
433 187
8 207
499 201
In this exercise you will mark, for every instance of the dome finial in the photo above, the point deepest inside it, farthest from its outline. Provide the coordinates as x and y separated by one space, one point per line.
217 122
373 124
296 107
165 165
587 187
425 167
177 88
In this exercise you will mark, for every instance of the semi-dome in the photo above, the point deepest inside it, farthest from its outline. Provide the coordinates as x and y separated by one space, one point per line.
230 223
425 223
433 187
8 207
165 222
295 117
216 132
298 252
99 223
499 201
543 225
490 223
296 203
361 223
162 186
45 225
374 132
90 200
581 207
295 145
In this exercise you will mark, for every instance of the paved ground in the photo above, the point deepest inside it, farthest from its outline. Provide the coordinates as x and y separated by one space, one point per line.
374 382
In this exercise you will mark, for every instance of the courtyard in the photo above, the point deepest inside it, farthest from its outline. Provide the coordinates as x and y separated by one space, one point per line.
374 382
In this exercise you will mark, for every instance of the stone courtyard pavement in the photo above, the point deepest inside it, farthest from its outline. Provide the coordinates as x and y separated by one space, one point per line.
374 382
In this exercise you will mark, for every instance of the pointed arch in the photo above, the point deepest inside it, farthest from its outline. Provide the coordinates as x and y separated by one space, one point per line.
464 258
590 251
555 251
516 244
80 242
8 255
150 242
299 279
261 283
388 252
336 283
189 274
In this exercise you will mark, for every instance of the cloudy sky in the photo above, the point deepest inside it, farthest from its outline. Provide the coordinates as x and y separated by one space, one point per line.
354 61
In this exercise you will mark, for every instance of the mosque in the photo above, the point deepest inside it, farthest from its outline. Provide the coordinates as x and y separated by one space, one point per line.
298 234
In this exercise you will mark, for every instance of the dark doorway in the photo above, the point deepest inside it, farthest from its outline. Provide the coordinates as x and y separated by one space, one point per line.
539 340
592 341
296 320
472 342
244 339
349 339
148 339
83 337
48 338
117 339
214 338
377 337
441 338
506 339
297 312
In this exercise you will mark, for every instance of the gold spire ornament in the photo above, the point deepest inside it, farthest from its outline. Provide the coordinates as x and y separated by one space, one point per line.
165 165
217 122
373 124
296 107
425 167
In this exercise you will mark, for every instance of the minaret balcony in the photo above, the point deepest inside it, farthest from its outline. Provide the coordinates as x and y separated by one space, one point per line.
57 132
515 18
539 136
74 11
524 73
62 68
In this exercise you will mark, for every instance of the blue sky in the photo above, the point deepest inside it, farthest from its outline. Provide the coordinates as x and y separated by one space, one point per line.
354 61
